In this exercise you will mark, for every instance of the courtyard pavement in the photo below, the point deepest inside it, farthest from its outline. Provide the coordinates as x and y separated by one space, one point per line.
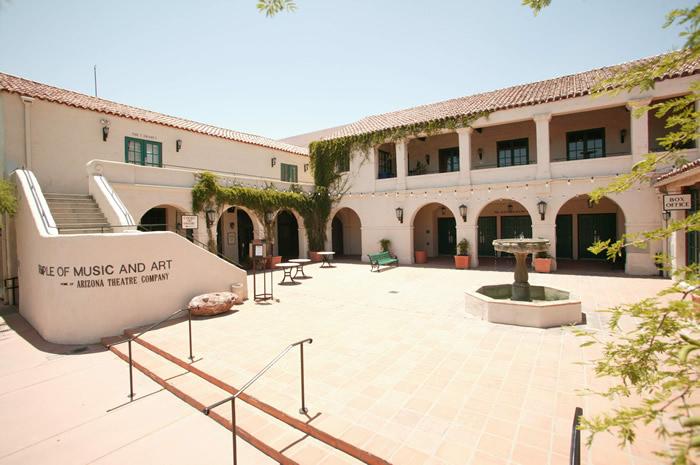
397 367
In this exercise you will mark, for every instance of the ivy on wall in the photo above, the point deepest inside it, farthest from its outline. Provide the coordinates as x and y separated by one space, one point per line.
330 185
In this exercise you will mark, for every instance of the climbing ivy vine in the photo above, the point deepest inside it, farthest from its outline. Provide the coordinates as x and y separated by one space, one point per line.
330 184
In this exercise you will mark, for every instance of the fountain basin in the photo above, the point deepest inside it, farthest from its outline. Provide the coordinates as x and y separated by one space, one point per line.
549 308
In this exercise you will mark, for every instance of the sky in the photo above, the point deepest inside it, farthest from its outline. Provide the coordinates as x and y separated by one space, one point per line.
332 62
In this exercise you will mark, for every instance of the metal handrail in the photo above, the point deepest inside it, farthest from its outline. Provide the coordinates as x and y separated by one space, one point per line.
302 410
575 452
131 363
117 200
37 202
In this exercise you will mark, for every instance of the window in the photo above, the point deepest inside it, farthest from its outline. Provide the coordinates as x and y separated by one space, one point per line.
449 159
289 173
513 152
386 165
585 144
343 165
142 152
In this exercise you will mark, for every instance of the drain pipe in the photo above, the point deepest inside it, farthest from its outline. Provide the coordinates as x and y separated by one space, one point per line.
27 131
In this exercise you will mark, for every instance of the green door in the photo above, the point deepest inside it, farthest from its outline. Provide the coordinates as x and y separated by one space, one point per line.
514 226
565 238
692 238
447 236
487 234
593 228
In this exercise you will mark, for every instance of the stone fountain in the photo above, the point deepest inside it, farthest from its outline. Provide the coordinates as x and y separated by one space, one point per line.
520 303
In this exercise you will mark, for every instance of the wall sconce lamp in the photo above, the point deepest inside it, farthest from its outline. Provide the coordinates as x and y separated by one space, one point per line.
274 161
232 225
623 134
105 129
178 145
269 216
399 214
427 158
463 212
306 167
481 153
443 209
667 215
211 218
510 208
590 203
542 208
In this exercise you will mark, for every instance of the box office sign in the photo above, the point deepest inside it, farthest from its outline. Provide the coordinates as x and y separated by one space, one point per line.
677 202
190 222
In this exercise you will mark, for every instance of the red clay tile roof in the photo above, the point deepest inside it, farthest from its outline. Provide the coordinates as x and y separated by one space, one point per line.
677 171
48 93
565 87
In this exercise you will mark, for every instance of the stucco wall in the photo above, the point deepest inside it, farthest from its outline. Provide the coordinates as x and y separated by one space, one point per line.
77 289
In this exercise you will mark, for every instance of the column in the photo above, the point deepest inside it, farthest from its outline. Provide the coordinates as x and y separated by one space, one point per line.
401 164
543 156
639 129
27 131
465 155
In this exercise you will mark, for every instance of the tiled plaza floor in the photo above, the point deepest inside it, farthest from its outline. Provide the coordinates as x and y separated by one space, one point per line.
399 368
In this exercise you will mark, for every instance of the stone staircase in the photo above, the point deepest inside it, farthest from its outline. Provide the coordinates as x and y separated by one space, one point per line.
77 214
286 438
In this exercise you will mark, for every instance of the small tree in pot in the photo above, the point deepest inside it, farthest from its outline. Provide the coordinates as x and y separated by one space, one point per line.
543 262
462 259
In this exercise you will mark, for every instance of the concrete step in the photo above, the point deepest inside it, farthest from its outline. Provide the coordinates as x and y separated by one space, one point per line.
77 214
282 436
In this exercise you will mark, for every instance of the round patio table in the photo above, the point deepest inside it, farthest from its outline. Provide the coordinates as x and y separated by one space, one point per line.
326 256
287 268
300 269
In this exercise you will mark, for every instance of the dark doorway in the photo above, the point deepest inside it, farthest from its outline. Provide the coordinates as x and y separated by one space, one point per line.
337 233
514 226
245 235
447 236
287 236
153 220
593 228
565 236
487 234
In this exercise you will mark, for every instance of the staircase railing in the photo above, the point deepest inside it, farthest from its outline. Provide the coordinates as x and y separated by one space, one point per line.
117 200
233 398
129 341
37 199
575 453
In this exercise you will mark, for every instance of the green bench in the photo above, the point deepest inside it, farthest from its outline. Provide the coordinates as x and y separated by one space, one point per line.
379 259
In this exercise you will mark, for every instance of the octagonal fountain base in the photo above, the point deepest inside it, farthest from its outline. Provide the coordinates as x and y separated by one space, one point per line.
549 308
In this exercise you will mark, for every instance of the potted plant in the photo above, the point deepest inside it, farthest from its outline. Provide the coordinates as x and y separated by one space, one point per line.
462 259
543 262
385 244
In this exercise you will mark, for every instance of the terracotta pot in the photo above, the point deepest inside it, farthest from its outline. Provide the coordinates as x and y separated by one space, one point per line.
314 257
421 256
543 265
272 261
462 262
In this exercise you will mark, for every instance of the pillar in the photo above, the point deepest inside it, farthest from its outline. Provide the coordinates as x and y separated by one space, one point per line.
542 137
401 164
465 155
639 130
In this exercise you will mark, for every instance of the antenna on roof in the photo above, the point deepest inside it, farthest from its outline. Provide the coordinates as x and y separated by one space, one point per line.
95 71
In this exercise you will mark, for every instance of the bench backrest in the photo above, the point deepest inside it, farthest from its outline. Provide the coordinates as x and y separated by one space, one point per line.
380 256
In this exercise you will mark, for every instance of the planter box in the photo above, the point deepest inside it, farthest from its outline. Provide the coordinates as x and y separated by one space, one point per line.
462 262
272 261
314 257
543 265
421 256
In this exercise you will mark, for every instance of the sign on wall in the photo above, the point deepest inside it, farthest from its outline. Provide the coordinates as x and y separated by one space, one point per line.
190 222
109 275
677 202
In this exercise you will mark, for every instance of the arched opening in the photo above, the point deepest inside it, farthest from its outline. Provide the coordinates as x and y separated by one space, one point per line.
580 223
244 235
435 231
501 219
346 233
287 235
164 218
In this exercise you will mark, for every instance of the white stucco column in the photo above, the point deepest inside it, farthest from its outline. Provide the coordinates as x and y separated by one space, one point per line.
27 131
469 231
465 155
401 164
547 230
303 241
677 243
639 128
543 157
